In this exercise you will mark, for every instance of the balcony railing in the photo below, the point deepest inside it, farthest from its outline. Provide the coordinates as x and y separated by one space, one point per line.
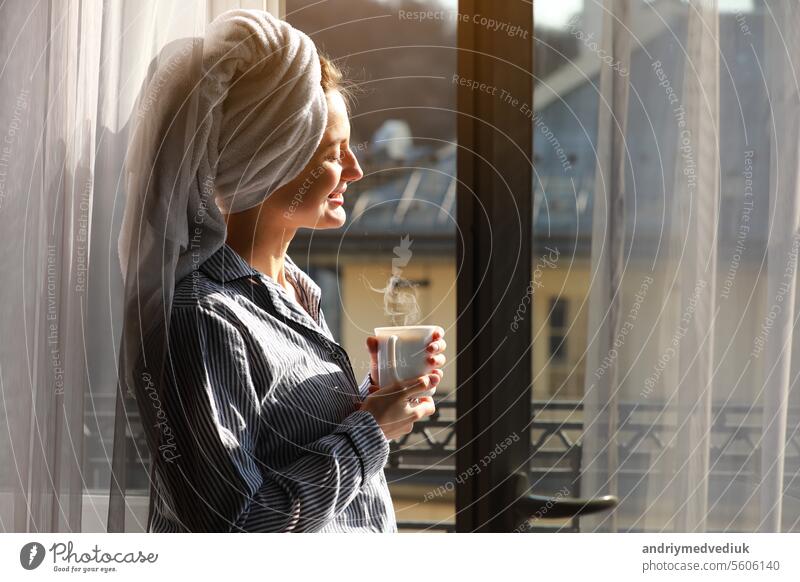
426 456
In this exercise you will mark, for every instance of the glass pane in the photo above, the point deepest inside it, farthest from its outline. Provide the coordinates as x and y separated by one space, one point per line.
558 313
568 60
558 348
393 262
565 133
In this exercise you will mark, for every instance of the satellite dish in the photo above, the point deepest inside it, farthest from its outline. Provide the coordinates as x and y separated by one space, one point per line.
393 138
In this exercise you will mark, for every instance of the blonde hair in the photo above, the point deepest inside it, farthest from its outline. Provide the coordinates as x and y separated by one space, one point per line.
333 79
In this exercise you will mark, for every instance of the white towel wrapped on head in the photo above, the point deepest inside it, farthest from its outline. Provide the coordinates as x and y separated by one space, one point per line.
235 114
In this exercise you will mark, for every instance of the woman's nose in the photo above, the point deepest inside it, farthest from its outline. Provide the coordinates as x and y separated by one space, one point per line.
352 170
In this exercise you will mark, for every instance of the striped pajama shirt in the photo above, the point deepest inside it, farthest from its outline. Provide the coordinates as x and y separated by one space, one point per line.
261 403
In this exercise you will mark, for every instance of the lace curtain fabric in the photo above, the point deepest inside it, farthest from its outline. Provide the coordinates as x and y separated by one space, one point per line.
690 408
73 92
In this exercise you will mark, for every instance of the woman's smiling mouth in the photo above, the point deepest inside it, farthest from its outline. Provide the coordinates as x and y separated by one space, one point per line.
337 196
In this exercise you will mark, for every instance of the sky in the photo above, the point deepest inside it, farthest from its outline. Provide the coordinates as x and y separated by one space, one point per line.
556 13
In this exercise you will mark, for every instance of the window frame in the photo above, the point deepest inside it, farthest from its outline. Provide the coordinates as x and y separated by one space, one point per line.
494 219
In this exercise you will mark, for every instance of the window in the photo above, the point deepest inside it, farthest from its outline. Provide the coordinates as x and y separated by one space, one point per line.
558 330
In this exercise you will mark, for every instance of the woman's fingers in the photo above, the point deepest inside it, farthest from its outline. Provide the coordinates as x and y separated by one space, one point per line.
416 392
372 344
423 409
437 360
437 346
410 388
437 343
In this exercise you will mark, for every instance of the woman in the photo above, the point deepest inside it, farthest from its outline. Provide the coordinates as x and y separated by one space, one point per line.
262 423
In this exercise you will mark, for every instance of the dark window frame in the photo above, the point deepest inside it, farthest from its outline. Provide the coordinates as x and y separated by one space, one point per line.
494 260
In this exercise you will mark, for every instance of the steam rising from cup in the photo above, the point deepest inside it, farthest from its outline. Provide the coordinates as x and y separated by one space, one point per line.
400 302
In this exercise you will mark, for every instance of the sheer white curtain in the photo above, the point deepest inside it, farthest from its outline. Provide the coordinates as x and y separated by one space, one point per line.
691 408
71 72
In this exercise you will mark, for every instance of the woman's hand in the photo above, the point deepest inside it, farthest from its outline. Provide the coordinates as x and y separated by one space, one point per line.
435 356
391 407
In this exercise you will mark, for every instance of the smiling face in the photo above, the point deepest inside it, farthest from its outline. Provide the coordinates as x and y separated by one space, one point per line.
315 197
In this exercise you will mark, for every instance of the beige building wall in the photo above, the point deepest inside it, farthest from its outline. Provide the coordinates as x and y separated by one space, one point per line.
364 310
569 281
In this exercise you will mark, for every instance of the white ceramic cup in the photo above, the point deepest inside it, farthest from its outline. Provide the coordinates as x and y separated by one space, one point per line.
402 354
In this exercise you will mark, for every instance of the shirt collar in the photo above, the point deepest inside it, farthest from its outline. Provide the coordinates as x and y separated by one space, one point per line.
309 288
226 265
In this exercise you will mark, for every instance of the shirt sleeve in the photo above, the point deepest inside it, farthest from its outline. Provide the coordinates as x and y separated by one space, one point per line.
215 480
363 388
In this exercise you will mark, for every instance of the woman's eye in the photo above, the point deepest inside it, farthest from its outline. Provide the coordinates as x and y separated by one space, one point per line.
337 157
